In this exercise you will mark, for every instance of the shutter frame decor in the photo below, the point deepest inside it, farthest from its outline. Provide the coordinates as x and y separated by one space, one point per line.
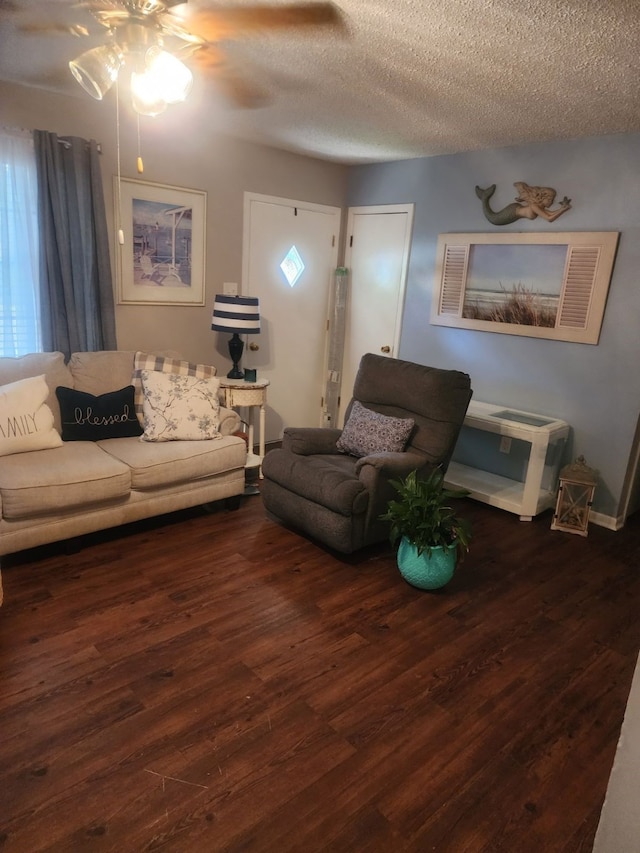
574 310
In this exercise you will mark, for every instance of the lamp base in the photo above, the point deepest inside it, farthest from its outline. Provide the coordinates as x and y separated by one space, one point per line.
236 346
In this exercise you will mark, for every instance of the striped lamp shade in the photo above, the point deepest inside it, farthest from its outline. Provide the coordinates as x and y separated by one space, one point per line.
236 314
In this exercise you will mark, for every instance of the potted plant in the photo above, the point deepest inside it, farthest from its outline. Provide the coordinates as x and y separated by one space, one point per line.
433 537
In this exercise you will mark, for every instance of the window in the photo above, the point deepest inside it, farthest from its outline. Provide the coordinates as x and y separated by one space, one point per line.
19 252
292 266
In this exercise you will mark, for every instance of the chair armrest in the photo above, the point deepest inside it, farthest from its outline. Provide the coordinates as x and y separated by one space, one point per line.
307 441
392 465
229 421
376 471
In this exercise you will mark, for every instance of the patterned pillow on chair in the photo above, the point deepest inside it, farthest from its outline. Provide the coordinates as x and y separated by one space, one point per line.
369 432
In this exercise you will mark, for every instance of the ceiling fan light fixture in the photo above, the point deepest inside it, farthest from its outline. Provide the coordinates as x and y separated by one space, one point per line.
171 76
97 69
146 97
136 33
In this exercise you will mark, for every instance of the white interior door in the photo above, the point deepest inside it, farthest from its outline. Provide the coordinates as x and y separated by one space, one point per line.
294 295
377 257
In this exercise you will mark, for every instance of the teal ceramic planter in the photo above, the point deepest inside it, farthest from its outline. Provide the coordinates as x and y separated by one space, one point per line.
426 571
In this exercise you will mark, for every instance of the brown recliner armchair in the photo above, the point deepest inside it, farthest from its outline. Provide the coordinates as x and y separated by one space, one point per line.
336 497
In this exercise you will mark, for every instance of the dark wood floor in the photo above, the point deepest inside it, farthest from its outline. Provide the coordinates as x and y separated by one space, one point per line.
215 682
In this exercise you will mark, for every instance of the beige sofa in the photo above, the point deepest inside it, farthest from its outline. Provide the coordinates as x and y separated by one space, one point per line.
81 486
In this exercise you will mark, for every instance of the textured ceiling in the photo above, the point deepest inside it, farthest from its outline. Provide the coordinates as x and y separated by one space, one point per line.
409 78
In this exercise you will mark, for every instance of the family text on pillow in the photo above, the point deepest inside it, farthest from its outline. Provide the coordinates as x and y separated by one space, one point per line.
26 422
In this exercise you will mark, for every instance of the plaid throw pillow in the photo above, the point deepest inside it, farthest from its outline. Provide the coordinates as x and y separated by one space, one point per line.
148 361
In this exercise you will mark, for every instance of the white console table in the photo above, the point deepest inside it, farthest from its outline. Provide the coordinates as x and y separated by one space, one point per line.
238 394
546 437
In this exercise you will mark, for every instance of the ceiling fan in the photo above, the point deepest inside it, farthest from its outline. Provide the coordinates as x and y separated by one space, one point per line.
149 39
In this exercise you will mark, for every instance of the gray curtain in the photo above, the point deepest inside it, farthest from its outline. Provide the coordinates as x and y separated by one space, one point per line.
76 290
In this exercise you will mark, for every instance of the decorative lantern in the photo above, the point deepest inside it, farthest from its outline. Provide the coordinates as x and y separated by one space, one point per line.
575 496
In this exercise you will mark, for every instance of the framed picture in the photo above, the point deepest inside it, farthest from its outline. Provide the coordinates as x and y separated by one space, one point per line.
538 285
162 258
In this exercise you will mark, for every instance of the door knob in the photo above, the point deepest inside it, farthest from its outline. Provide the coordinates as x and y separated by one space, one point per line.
253 347
385 349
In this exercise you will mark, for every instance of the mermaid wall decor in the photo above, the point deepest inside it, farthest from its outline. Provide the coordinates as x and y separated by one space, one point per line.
530 203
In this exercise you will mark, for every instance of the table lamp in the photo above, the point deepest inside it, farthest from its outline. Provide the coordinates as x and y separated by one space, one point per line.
239 315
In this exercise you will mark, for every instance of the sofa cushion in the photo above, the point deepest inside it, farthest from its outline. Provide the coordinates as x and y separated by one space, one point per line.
87 417
329 480
74 475
158 464
26 422
49 364
165 364
100 372
367 432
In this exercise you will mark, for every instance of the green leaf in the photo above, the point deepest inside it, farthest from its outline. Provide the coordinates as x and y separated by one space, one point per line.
422 513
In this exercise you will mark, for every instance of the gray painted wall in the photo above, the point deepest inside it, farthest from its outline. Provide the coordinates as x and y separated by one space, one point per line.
179 150
595 388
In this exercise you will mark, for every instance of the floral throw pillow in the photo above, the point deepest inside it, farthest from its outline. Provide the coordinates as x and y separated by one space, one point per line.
368 432
179 408
149 361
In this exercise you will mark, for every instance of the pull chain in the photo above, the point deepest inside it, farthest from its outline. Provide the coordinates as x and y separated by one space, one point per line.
120 231
140 163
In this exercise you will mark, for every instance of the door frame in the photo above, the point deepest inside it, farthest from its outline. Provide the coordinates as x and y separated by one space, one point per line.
631 485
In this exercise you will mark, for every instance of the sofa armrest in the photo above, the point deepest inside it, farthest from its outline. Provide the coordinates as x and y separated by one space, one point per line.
229 421
307 441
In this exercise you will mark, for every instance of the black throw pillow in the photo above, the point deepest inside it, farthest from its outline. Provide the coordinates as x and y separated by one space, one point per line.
86 417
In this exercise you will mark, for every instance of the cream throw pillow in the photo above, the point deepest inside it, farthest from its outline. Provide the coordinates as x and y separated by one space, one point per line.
26 422
165 364
179 408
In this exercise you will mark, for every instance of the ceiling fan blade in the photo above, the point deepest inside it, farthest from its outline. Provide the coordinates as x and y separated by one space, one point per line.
50 19
173 26
215 25
38 29
229 80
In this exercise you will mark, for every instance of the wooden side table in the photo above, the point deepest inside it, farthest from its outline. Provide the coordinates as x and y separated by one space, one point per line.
239 394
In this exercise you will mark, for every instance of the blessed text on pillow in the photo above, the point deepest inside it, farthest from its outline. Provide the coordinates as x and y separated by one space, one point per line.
369 432
86 417
148 361
179 408
26 422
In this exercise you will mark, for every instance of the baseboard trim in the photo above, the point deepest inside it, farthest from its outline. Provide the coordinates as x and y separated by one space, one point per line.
609 521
